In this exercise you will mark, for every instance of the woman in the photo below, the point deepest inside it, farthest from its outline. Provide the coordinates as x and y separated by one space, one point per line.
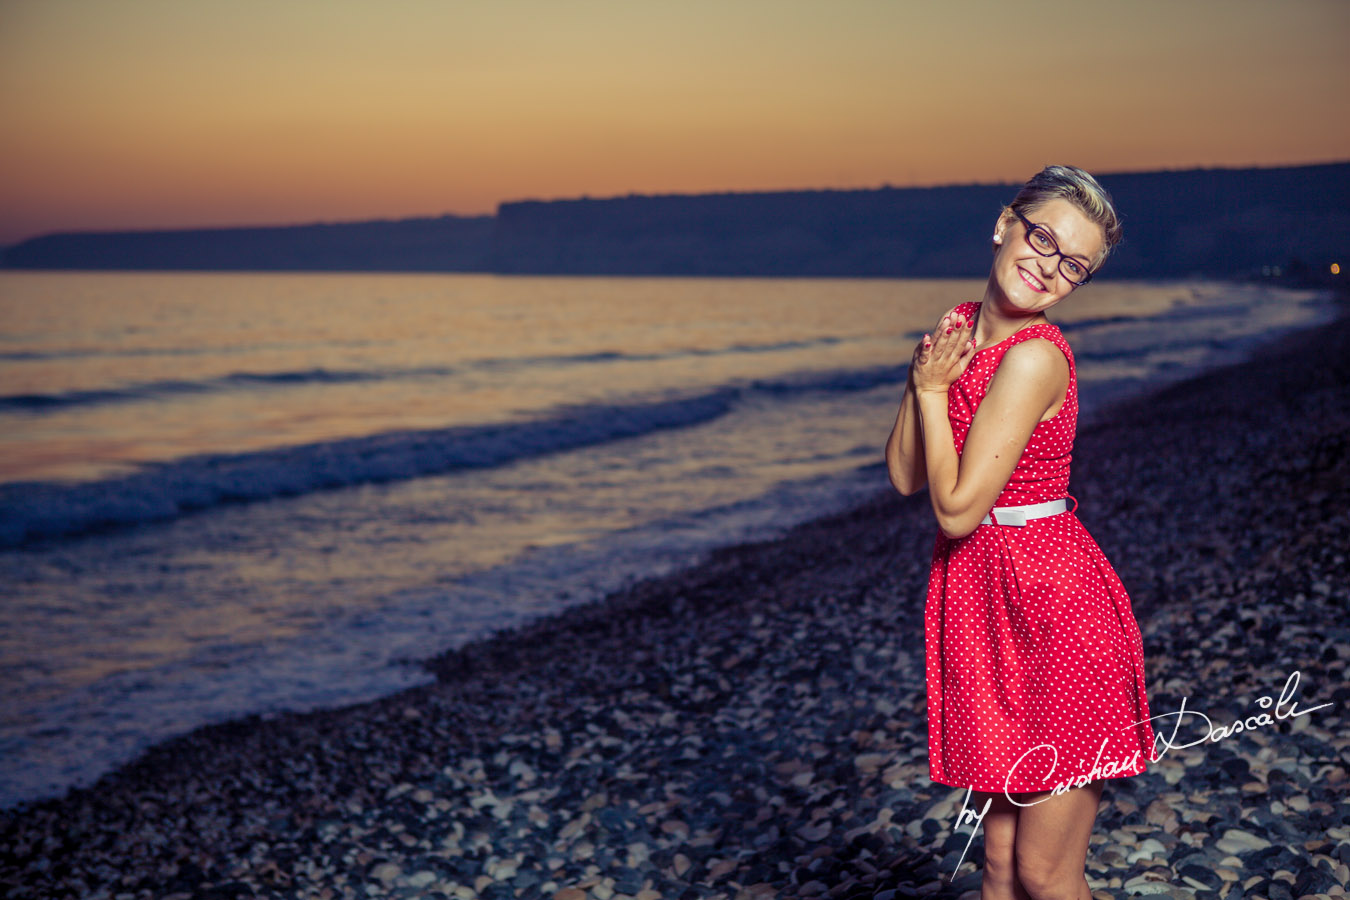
1035 665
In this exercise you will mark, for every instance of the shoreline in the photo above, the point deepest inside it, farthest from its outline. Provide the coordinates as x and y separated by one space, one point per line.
754 726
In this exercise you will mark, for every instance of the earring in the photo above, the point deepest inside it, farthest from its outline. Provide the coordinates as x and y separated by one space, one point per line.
998 239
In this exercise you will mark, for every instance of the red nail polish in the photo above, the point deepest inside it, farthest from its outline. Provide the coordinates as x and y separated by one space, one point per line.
949 331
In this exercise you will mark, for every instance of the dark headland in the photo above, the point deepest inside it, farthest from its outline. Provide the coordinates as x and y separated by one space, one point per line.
1207 222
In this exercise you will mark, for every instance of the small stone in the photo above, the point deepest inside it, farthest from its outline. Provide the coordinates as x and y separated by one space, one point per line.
570 893
720 868
869 762
386 872
1200 877
421 879
1313 881
676 828
1145 885
1147 849
1236 841
629 882
638 853
503 869
815 833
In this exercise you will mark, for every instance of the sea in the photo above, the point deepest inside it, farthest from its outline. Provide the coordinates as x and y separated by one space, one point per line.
234 494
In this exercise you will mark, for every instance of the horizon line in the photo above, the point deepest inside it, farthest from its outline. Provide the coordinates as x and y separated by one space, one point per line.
322 223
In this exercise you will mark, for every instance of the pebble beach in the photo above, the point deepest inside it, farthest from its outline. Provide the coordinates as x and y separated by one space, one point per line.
754 726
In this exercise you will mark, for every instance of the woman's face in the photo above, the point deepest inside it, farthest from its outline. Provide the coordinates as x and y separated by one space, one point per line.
1034 283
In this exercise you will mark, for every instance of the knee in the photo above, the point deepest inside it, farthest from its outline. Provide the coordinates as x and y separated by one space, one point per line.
1000 858
999 869
1044 881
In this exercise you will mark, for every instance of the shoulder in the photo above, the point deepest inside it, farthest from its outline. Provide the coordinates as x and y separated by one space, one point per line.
1037 360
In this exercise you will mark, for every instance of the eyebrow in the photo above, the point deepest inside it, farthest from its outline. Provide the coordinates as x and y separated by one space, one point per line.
1080 256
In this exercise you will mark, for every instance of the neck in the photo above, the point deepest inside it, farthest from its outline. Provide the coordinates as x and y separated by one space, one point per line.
992 325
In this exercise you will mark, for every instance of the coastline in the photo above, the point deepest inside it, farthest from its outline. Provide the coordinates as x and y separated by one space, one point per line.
754 726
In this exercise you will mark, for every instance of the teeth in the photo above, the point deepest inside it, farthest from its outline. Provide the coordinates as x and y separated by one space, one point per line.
1034 282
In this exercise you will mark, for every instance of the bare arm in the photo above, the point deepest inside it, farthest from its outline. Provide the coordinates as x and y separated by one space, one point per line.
904 448
1030 380
905 462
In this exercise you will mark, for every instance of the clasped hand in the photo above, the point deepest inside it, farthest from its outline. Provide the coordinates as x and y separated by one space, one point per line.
941 357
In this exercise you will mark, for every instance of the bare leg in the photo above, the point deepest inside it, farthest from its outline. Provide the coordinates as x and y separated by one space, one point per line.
999 880
1051 842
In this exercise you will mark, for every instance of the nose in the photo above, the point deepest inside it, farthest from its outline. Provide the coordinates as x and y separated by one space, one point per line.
1049 266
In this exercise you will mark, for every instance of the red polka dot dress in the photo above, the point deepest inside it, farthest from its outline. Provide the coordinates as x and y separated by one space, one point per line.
1035 664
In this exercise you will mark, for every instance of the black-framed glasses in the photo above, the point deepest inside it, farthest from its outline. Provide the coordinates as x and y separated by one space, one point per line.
1043 242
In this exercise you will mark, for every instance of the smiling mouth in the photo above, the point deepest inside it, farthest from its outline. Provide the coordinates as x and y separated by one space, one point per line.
1031 282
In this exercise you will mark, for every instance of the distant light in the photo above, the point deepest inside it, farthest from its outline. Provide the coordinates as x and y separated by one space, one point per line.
1335 268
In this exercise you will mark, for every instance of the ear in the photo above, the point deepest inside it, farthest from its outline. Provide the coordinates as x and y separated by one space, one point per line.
1005 221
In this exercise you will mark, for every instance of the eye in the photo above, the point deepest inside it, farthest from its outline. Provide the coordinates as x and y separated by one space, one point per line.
1042 239
1075 270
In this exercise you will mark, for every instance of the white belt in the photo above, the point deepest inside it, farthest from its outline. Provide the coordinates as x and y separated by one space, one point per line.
1018 515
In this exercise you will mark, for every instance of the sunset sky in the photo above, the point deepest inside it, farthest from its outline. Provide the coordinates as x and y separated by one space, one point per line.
165 113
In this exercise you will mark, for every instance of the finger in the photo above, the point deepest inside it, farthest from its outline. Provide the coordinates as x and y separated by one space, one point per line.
960 342
942 336
950 338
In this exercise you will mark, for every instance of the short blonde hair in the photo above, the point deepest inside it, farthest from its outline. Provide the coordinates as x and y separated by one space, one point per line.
1079 188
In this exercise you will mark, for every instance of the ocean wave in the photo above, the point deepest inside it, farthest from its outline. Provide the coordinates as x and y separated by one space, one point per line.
515 362
32 511
159 390
42 403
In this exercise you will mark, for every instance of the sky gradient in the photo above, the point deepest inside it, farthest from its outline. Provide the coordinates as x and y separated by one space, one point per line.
161 113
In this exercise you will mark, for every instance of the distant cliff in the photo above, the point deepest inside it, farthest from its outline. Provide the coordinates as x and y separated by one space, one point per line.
1215 222
445 244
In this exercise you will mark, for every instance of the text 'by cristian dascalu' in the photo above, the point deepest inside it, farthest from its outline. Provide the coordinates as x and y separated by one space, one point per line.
1271 711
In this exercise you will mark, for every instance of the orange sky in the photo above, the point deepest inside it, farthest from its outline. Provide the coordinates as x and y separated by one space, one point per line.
164 113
